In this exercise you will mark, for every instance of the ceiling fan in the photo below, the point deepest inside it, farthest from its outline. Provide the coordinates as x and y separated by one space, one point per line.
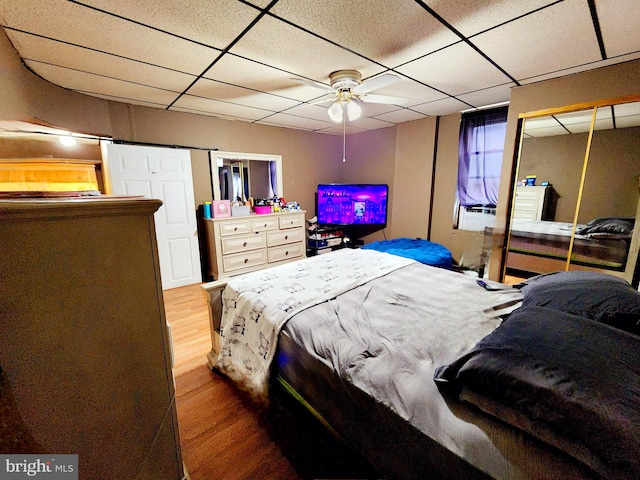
347 92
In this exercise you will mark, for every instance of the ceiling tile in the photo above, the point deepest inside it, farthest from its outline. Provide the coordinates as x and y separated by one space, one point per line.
436 108
76 24
94 84
285 119
285 47
193 20
390 33
543 41
147 52
619 26
402 115
219 107
367 123
468 73
470 17
38 50
242 96
488 96
257 76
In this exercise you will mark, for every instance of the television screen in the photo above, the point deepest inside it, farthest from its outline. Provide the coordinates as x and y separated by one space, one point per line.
352 204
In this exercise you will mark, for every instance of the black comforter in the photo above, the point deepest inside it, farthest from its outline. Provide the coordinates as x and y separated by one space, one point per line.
566 379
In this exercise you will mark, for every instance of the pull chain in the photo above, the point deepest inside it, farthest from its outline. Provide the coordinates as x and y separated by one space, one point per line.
344 136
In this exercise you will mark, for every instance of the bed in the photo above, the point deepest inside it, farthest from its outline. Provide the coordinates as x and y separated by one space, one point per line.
542 246
381 356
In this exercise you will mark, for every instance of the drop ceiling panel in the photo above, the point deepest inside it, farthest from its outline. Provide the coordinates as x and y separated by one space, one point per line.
370 123
315 112
468 73
131 101
242 96
221 108
400 116
78 25
37 50
542 41
487 96
215 24
95 84
439 106
286 119
470 17
142 52
257 76
293 50
619 25
390 33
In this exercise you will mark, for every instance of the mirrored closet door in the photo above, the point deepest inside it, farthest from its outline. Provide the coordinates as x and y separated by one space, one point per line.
576 193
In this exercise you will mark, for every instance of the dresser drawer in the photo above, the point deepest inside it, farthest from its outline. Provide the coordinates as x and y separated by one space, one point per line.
291 221
234 227
526 204
528 193
264 224
247 259
281 237
284 252
529 215
241 243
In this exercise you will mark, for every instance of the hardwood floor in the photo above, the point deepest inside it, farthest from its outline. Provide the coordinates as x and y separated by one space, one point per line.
222 434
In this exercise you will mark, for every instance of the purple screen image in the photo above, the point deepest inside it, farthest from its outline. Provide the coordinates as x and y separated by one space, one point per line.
351 204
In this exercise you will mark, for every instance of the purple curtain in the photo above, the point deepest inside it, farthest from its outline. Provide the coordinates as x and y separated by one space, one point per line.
481 145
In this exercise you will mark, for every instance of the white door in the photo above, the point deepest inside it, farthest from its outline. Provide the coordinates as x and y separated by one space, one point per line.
165 174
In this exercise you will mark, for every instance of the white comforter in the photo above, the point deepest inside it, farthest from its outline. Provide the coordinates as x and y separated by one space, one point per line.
257 305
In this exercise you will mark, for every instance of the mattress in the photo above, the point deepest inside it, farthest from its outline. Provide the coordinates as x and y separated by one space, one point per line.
551 240
365 361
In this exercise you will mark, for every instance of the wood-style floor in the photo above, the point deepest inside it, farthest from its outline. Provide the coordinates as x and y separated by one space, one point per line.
222 436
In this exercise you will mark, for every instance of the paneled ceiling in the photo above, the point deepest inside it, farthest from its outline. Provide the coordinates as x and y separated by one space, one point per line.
236 59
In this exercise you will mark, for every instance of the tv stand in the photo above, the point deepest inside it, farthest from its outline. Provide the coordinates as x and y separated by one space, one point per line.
325 239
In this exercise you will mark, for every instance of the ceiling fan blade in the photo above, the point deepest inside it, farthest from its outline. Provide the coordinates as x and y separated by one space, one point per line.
387 99
375 83
311 83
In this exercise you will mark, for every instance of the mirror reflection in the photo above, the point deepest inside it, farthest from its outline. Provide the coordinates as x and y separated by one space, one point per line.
238 176
576 199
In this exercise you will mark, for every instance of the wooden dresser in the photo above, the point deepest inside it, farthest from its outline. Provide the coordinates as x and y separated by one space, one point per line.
84 343
242 244
529 202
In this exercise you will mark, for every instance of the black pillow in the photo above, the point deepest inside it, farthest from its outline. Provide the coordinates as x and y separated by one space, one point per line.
598 296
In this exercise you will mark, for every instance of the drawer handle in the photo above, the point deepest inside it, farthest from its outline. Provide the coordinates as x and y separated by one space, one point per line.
235 228
286 237
265 225
244 244
246 260
286 253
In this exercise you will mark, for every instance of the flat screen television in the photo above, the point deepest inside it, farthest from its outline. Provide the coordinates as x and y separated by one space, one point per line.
352 204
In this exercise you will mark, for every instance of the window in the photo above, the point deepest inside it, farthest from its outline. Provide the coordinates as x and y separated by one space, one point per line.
480 149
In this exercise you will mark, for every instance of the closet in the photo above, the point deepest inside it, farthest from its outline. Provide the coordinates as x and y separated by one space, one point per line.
588 158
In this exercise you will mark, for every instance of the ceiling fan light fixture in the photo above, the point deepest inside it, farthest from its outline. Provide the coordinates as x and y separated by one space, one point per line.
335 112
353 111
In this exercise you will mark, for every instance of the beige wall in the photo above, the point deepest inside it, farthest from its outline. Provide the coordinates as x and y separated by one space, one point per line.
415 148
607 191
